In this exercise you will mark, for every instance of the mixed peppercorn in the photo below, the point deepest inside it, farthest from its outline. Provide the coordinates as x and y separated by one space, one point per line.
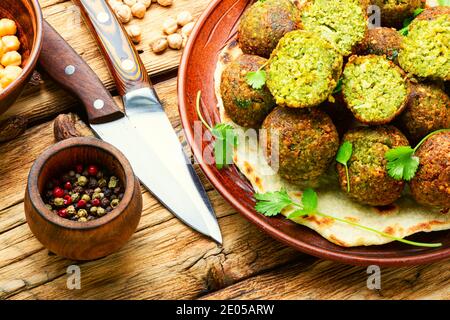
83 194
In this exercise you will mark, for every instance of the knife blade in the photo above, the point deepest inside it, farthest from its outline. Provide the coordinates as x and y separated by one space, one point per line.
177 187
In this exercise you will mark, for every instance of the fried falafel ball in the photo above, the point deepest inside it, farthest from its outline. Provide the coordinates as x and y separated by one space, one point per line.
394 12
374 88
370 182
301 143
381 42
431 184
427 110
426 49
264 24
246 106
341 22
303 70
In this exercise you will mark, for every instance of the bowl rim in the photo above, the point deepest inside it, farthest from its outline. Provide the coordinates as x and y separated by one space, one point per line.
38 203
34 54
309 248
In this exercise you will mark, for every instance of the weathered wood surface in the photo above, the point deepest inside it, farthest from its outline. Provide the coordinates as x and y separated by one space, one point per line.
165 259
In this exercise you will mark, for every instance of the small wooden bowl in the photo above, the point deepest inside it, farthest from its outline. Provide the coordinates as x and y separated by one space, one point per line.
28 17
82 240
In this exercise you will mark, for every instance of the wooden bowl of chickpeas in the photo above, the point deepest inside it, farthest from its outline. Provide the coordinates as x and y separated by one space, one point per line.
20 46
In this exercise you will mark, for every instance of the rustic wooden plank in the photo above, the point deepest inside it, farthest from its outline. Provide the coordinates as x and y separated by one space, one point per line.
328 280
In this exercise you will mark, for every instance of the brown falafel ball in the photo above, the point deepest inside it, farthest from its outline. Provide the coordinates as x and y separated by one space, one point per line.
264 24
370 182
246 106
382 42
301 143
393 12
431 184
427 110
433 12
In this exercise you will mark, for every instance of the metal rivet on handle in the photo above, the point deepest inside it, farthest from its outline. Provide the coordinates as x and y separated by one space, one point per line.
70 70
103 17
127 64
99 104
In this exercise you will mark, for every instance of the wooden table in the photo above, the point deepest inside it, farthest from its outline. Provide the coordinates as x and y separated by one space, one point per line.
165 259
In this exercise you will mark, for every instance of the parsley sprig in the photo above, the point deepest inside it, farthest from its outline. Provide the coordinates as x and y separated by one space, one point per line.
257 79
402 161
272 203
226 138
343 156
404 31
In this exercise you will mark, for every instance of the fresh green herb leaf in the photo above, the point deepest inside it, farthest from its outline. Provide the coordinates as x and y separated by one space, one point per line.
226 140
338 86
272 203
343 156
404 31
256 79
418 11
402 163
444 3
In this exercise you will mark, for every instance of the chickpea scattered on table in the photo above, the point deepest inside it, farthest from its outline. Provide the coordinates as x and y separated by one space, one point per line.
10 58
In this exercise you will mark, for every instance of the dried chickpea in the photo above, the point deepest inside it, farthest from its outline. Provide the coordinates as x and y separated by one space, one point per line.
160 45
175 41
138 10
187 29
7 27
115 4
146 3
129 3
11 58
170 26
165 3
184 17
9 74
10 43
123 13
135 33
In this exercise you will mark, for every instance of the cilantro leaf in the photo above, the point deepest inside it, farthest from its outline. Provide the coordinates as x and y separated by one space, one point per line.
272 203
404 31
256 79
338 86
343 156
402 164
298 213
444 3
226 140
309 200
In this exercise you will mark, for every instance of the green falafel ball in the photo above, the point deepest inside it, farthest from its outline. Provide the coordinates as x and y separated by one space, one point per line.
370 182
301 143
427 110
426 49
374 88
303 70
431 184
264 24
246 106
342 22
394 12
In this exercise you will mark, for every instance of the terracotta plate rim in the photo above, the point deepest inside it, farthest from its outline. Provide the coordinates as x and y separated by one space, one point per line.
347 258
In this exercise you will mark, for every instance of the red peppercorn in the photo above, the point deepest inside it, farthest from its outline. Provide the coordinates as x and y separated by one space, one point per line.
92 170
62 213
81 204
79 168
68 185
95 202
67 200
58 192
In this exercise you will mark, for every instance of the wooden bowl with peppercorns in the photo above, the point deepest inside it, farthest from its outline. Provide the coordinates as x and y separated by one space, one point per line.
82 201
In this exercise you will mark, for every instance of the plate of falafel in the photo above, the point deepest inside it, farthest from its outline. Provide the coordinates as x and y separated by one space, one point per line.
327 122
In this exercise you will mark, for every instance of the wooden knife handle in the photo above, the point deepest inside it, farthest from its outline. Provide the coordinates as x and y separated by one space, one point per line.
123 60
66 67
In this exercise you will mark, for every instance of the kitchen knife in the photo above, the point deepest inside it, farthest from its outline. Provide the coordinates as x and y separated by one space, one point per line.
154 150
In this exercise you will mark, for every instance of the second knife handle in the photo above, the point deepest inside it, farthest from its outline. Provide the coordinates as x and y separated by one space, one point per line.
123 60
